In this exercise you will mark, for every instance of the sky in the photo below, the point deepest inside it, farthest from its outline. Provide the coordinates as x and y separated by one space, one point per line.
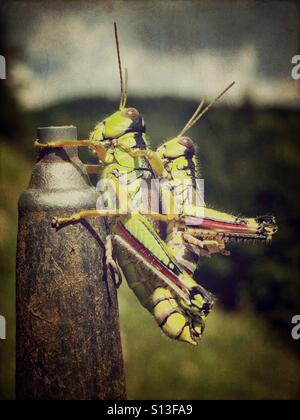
185 49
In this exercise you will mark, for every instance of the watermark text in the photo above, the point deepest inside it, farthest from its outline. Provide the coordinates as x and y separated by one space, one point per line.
175 197
296 68
296 328
2 67
2 328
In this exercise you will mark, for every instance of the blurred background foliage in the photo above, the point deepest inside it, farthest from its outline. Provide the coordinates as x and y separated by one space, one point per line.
250 160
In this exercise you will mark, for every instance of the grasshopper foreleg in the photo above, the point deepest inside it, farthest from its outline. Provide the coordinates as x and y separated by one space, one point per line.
99 148
113 263
152 157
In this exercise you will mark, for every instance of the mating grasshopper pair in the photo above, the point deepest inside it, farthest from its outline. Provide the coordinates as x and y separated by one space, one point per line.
158 264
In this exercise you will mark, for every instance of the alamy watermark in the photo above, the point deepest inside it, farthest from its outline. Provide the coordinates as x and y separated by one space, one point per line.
296 68
132 195
296 328
2 328
2 67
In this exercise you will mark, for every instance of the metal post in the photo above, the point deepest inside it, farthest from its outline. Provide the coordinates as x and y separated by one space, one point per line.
68 338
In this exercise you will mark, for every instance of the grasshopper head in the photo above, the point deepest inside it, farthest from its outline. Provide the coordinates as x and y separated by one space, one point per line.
178 157
176 148
123 121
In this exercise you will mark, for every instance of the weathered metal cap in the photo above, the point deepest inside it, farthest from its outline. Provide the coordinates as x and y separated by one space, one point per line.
47 134
58 179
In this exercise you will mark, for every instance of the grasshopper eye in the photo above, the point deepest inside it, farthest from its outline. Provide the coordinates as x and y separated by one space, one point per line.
187 142
131 113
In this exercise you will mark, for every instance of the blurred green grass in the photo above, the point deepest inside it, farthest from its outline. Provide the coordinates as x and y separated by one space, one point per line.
14 176
239 357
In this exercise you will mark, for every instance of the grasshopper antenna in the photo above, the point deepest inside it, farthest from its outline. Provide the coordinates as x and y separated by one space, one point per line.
198 114
190 121
123 90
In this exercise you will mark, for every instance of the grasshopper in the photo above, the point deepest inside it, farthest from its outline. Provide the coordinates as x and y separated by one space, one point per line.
134 249
205 231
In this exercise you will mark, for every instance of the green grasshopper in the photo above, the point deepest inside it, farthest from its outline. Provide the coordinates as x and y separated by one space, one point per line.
203 227
178 303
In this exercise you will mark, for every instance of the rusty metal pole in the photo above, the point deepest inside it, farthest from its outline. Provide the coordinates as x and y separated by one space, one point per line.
68 338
